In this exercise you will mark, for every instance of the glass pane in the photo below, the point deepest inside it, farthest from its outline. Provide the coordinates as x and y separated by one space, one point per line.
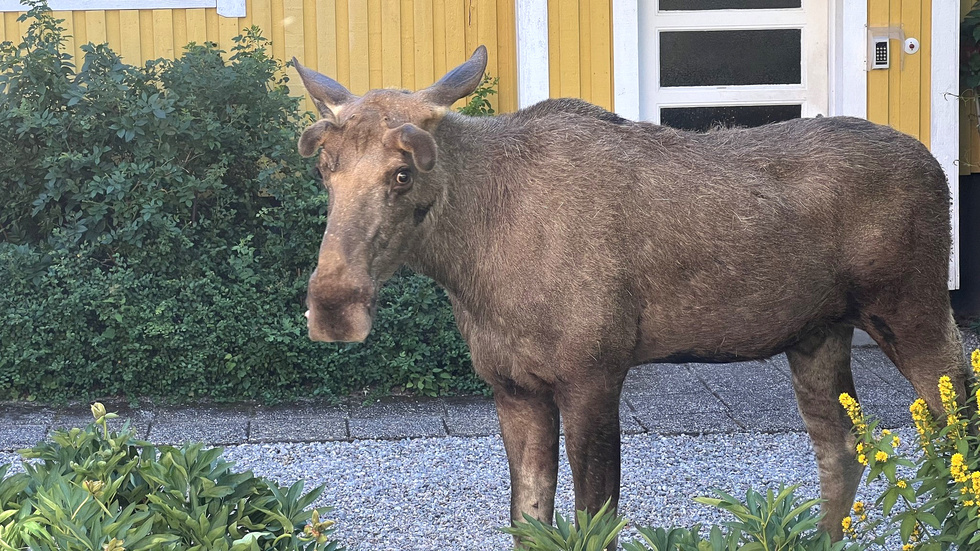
730 58
675 5
703 119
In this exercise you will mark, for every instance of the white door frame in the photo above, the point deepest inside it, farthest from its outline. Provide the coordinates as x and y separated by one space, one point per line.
848 21
811 92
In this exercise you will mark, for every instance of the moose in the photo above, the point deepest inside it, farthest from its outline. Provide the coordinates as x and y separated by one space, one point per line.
574 244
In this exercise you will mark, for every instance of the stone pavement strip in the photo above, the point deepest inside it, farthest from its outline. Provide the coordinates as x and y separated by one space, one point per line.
754 396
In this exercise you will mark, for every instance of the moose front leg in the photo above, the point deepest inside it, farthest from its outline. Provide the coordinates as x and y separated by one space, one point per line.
590 414
529 426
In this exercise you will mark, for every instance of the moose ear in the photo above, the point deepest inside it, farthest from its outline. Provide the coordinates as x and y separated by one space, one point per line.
416 141
328 94
458 83
313 137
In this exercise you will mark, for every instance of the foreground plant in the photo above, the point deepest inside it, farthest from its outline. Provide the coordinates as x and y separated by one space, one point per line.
774 521
96 489
937 508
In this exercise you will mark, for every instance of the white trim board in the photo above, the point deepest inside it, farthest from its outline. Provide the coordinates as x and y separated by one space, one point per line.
944 135
226 8
533 78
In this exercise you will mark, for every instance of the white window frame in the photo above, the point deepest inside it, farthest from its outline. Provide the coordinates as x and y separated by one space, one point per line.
848 28
226 8
811 93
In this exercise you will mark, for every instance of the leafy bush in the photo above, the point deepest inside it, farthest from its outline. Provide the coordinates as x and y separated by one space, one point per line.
95 489
158 230
764 522
937 508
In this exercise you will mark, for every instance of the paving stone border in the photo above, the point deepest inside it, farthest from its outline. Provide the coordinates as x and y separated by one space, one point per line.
754 396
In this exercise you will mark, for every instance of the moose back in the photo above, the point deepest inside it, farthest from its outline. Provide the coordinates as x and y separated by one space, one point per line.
575 244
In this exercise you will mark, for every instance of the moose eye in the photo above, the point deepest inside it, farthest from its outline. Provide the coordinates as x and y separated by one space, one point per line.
403 178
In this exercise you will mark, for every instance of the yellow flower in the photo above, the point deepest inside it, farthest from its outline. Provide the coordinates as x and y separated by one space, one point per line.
901 483
896 442
853 411
923 420
975 360
846 525
881 456
862 459
946 393
908 547
858 507
957 469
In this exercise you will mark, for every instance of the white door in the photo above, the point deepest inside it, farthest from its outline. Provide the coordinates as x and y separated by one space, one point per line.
732 62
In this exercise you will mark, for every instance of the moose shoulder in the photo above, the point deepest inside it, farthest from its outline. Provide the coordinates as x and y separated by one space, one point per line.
575 244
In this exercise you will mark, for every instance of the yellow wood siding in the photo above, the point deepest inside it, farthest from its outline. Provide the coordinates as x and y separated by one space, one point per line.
364 44
900 95
580 50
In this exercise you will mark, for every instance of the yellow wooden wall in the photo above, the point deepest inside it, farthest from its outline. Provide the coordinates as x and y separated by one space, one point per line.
900 96
364 44
580 50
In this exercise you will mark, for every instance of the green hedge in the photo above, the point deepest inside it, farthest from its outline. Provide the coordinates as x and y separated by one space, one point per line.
158 230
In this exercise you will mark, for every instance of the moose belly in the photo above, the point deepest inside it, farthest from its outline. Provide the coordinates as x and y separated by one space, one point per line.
710 331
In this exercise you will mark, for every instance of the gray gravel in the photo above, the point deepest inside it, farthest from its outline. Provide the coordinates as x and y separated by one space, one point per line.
453 493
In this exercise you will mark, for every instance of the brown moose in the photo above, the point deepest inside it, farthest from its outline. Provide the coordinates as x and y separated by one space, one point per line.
575 244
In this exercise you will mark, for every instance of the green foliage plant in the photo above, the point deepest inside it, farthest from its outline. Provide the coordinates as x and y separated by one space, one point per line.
937 508
774 521
96 489
479 103
158 230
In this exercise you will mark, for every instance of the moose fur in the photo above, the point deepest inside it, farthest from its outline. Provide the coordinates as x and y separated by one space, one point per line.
575 244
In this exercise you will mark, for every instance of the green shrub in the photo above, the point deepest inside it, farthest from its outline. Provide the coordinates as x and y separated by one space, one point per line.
95 489
938 508
763 522
158 231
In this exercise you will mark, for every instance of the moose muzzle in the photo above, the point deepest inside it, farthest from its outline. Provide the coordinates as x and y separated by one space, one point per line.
341 304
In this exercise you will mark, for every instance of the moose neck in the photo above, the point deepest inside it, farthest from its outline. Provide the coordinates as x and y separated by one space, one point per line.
456 250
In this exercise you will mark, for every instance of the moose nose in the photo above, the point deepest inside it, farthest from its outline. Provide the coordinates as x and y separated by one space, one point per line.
340 304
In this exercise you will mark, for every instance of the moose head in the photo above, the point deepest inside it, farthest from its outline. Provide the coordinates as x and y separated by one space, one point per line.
375 152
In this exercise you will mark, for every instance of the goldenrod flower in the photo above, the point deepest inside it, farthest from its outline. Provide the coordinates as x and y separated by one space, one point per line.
946 393
846 525
896 442
881 456
858 507
853 411
923 420
957 469
908 547
901 483
975 360
862 459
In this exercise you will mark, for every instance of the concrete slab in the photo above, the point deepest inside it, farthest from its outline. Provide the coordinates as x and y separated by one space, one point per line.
659 379
471 416
304 422
688 423
696 402
217 426
398 418
396 428
785 419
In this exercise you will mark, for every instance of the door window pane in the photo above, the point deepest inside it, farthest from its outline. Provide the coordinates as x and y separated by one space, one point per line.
702 119
675 5
730 58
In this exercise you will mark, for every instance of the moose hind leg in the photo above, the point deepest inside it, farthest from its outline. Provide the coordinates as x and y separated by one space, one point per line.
924 344
821 367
